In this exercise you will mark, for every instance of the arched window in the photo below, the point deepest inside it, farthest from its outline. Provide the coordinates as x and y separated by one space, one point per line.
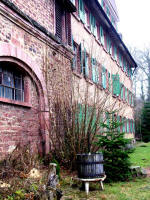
11 82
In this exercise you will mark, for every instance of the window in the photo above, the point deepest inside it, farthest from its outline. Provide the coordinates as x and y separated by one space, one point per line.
131 126
109 45
63 23
113 21
107 11
95 72
128 69
109 82
132 100
124 125
115 52
116 84
81 11
87 18
86 64
101 35
120 59
122 91
124 65
104 84
81 58
128 123
93 24
74 63
103 4
11 83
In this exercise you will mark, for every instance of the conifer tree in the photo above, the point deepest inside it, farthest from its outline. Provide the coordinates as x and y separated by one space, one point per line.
114 147
145 125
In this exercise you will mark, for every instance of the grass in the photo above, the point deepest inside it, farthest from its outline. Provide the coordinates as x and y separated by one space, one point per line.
141 157
138 189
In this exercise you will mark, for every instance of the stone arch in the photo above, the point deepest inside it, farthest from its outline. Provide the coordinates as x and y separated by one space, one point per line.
17 56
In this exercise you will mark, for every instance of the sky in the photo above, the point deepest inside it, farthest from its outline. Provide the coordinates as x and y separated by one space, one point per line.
134 22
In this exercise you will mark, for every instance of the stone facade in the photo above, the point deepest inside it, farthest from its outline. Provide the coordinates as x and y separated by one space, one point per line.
28 43
95 40
40 59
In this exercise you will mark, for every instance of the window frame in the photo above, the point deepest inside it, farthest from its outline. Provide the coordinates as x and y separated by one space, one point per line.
13 68
8 85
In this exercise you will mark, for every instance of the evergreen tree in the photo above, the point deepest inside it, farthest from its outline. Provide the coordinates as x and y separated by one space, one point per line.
115 151
145 125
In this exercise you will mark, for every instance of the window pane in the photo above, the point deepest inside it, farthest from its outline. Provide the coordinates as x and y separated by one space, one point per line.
8 79
8 93
18 83
0 77
18 95
1 91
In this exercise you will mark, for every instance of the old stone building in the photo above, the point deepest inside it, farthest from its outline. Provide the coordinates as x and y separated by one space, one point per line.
102 60
38 41
34 47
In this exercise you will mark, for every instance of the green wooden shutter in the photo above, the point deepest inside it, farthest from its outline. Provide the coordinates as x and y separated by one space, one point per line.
127 125
130 95
104 78
108 45
120 59
81 11
132 101
112 20
102 3
115 52
116 84
126 94
122 91
124 128
102 35
110 51
118 120
128 69
131 73
107 119
94 26
93 70
124 65
97 72
107 11
131 128
91 21
86 71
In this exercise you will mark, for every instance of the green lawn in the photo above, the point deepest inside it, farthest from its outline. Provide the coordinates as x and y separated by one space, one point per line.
141 155
138 189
